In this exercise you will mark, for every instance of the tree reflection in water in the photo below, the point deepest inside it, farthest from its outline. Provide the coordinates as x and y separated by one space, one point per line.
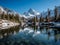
10 31
30 36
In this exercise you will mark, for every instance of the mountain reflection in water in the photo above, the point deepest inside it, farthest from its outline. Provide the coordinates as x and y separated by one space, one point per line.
30 36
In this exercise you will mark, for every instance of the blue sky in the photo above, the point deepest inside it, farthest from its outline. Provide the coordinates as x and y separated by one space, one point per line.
24 5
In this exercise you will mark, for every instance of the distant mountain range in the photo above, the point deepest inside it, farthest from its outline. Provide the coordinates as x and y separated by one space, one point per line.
30 13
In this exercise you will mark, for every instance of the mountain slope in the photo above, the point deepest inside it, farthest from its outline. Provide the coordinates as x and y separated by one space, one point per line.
6 10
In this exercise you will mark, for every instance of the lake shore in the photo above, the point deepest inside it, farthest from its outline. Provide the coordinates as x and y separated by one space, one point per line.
4 24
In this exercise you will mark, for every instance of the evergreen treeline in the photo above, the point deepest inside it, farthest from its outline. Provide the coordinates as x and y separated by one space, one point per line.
10 17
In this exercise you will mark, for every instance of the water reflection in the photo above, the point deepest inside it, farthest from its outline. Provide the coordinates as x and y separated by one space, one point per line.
30 36
10 31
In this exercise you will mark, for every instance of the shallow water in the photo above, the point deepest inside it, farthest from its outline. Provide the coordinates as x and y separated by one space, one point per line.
30 36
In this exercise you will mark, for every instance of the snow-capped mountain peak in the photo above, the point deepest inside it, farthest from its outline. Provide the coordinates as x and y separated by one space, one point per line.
6 10
32 11
2 10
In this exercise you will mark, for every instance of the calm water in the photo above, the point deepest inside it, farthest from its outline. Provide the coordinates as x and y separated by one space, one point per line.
30 36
